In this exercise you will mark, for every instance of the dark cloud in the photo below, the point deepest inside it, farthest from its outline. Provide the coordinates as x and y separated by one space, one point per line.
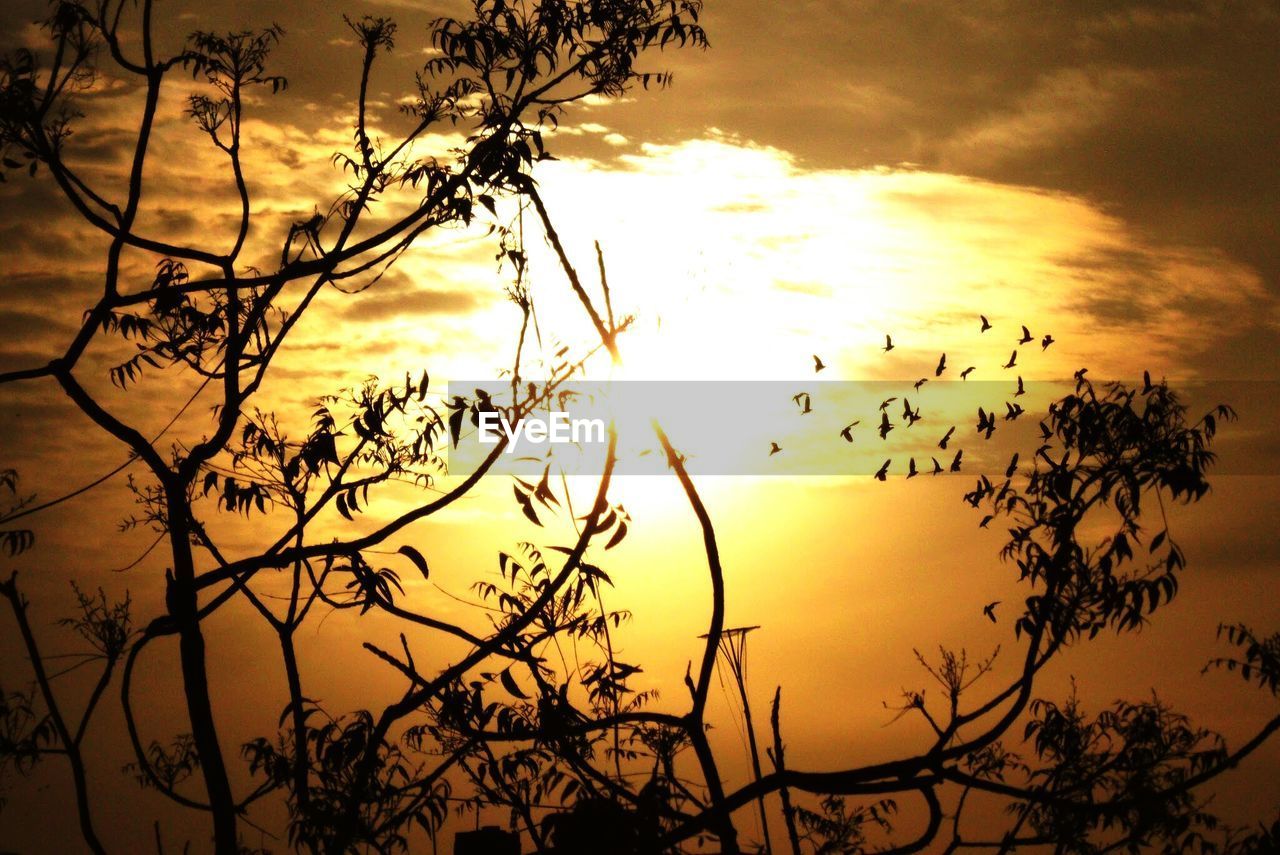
378 305
1163 111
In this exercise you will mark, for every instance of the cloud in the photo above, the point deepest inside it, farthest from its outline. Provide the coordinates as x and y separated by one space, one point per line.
380 306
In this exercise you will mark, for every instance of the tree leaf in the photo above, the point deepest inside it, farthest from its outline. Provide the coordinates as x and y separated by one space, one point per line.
418 561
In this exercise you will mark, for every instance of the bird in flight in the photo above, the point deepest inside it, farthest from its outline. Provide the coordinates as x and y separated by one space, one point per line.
942 443
1013 360
1046 341
964 375
921 382
1015 410
955 461
911 469
1146 383
942 366
888 343
883 470
986 520
990 610
986 324
774 448
937 467
1021 390
1026 335
847 433
884 405
912 416
885 426
986 422
817 364
803 402
1013 466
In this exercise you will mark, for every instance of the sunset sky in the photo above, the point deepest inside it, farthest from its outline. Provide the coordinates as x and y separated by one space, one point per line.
825 174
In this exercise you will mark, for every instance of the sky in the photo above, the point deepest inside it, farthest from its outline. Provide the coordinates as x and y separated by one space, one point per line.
825 174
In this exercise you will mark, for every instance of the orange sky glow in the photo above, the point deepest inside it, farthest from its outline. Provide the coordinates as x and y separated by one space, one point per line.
823 175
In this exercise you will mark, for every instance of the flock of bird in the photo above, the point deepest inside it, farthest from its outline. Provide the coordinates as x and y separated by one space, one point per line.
986 424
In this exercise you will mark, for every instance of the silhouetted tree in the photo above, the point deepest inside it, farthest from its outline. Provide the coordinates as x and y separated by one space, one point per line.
578 754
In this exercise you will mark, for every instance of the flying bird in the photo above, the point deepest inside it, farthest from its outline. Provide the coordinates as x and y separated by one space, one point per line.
774 448
885 426
1046 341
847 433
883 470
884 405
817 364
964 375
1146 383
1045 433
1013 466
912 416
990 610
986 422
955 461
802 401
911 469
921 382
937 467
942 366
1021 389
888 343
986 324
1015 410
1026 335
1013 360
986 520
942 443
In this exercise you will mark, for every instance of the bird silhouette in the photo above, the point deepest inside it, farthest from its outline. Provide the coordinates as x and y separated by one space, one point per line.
885 426
1015 410
888 343
774 448
847 433
1026 335
964 375
912 416
1079 375
911 469
990 610
1046 341
986 520
986 324
802 400
942 366
817 364
1146 383
986 422
1013 466
883 470
884 405
980 491
921 382
1045 433
942 443
1013 360
1021 389
937 467
955 461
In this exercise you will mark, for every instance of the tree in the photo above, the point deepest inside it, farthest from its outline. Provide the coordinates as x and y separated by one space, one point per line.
503 724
